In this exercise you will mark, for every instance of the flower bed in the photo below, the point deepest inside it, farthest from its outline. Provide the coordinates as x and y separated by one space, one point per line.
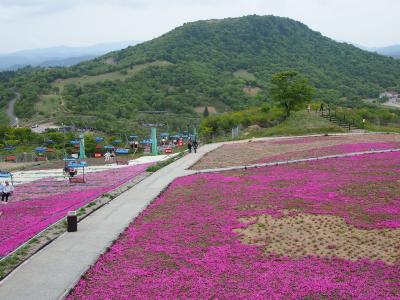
250 235
36 205
294 148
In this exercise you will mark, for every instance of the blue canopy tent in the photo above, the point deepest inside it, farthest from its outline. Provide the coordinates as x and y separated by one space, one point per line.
133 137
74 142
9 148
146 142
7 175
40 149
117 142
99 139
109 147
49 142
164 134
122 151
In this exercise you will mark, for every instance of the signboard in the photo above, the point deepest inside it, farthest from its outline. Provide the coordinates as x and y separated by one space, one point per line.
168 150
97 155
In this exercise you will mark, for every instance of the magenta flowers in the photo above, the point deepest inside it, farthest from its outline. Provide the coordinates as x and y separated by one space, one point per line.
187 243
36 205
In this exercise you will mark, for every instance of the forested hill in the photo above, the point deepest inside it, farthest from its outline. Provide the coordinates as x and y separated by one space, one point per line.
222 63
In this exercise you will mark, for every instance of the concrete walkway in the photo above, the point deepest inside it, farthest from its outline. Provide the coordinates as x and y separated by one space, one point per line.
53 271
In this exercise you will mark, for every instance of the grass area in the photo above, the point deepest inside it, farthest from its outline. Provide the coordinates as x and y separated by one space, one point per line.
49 105
118 75
164 163
298 123
244 75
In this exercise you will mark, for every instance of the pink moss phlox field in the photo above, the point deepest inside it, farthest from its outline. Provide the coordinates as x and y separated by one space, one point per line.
183 246
331 150
36 205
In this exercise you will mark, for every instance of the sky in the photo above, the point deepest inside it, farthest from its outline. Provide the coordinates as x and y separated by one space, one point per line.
29 24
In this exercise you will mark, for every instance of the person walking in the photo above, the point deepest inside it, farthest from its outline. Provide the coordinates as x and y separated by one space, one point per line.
189 145
309 107
107 156
7 191
195 145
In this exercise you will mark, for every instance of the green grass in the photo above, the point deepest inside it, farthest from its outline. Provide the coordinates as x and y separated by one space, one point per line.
49 105
298 123
164 163
118 75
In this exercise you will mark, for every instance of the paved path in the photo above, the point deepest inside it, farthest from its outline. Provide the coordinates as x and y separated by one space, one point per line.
53 271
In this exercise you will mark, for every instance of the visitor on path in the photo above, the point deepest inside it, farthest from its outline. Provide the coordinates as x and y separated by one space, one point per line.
107 156
321 108
7 190
309 107
113 155
189 145
195 145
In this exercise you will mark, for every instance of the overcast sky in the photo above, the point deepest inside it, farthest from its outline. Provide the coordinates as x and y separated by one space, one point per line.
27 24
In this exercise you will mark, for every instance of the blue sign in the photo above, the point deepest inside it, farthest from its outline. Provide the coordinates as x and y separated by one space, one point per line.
81 164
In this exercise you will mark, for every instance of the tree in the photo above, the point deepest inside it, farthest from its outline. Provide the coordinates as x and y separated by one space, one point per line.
290 90
205 112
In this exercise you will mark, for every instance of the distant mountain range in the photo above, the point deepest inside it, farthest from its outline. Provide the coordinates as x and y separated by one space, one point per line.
393 51
62 56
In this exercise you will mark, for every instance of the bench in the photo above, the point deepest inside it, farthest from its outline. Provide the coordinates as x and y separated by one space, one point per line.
77 180
12 158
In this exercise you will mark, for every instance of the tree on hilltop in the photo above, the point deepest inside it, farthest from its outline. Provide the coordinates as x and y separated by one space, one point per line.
290 90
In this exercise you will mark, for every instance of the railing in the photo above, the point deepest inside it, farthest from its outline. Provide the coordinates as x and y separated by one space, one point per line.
340 119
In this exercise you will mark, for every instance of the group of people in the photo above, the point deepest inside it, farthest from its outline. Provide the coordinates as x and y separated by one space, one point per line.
6 191
192 145
109 156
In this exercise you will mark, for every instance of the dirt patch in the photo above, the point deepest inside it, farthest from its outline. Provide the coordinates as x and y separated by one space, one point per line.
200 109
251 91
303 235
110 61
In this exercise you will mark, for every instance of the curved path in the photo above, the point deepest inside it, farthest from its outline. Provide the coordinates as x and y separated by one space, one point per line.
54 270
10 109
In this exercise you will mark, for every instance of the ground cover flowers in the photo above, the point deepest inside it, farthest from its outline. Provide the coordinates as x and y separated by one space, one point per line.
206 236
294 148
36 205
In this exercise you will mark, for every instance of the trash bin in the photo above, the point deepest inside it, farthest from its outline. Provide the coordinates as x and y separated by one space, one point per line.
72 221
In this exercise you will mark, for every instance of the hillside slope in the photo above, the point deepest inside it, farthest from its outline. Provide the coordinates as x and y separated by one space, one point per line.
222 63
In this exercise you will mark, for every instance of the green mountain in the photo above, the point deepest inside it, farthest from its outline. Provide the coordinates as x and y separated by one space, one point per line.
223 64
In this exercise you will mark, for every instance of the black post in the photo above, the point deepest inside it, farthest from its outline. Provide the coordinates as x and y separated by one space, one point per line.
72 222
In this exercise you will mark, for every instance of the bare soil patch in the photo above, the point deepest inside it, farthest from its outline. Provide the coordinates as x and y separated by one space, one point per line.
200 109
303 235
252 91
